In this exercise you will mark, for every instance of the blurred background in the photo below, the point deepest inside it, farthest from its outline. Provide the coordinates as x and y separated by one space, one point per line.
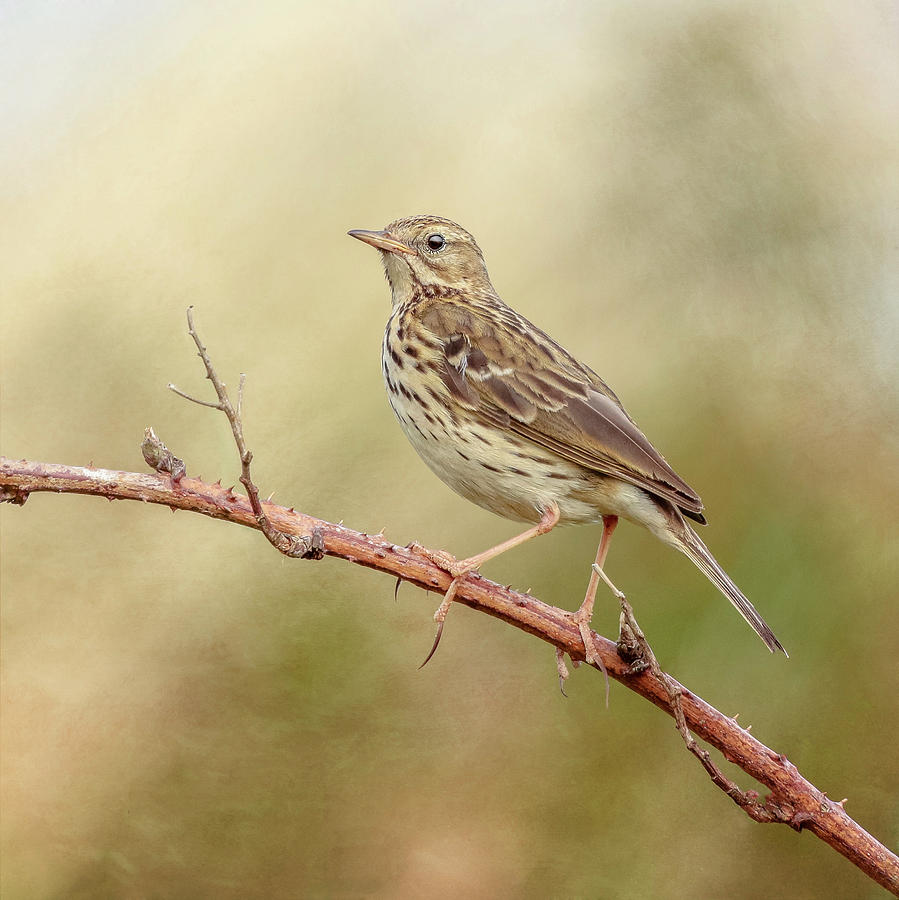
696 198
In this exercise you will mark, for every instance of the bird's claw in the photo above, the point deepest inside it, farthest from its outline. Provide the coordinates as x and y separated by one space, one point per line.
440 617
434 647
562 669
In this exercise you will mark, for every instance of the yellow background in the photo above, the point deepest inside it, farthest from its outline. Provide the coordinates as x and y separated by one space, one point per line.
697 198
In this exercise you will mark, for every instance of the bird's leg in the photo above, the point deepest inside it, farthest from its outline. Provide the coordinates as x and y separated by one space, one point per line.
547 522
585 613
460 568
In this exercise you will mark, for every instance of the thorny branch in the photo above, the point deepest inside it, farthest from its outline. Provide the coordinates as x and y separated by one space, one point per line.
793 800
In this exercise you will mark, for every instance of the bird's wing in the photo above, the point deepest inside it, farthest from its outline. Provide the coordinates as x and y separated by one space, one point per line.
516 377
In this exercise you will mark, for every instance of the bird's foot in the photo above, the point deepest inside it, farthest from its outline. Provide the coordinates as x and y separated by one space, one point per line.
446 561
562 669
582 618
459 569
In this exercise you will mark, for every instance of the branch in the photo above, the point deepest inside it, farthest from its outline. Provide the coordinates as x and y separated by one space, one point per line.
793 800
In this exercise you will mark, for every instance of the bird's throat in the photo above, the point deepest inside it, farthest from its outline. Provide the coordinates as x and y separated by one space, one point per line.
399 277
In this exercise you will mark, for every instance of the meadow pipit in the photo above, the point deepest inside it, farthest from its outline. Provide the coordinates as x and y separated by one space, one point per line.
513 422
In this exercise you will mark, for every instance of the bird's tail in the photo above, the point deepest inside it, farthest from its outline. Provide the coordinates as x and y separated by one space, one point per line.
691 544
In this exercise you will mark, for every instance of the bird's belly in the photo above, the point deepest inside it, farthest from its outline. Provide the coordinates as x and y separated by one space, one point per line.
508 475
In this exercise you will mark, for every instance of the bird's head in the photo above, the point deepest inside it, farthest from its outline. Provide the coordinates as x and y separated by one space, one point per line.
428 251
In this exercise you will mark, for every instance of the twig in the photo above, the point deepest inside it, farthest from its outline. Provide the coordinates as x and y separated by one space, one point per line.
634 648
181 393
297 547
793 800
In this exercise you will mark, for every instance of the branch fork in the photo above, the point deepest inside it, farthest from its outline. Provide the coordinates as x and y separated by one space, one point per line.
309 546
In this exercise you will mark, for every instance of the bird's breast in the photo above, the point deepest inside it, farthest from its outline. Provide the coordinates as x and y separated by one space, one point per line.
493 467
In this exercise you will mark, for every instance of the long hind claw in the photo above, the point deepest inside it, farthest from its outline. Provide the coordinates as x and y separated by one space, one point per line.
434 648
562 669
440 616
591 654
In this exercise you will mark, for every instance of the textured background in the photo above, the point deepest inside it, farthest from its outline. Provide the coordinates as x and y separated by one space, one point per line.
697 198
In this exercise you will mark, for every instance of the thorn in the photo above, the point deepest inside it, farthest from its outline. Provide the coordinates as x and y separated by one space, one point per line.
268 499
396 588
291 510
218 481
842 803
748 728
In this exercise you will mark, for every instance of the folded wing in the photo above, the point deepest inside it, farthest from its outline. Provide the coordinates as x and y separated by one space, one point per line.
534 388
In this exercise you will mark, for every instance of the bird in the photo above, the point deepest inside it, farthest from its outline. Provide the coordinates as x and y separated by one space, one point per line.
513 422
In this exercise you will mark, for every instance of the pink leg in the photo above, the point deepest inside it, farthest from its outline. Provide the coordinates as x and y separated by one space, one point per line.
585 613
459 569
546 524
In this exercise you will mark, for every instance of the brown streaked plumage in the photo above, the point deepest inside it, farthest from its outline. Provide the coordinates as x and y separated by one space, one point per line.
510 420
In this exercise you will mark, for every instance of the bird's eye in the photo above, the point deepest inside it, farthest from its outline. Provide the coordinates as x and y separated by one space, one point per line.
436 242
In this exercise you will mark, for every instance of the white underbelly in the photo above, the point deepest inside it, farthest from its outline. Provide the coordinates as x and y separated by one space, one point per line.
506 474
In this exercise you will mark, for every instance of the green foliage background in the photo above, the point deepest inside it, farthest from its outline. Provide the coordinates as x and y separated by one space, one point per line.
697 198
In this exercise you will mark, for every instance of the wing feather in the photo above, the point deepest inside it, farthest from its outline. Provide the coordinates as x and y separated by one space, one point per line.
537 390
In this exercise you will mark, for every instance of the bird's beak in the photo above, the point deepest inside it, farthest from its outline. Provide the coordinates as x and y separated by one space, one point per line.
383 240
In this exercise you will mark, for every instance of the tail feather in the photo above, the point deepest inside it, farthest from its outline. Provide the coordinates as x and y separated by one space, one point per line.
692 546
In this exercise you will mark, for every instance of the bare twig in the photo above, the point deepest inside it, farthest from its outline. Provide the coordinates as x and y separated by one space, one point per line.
633 647
181 393
793 800
296 547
